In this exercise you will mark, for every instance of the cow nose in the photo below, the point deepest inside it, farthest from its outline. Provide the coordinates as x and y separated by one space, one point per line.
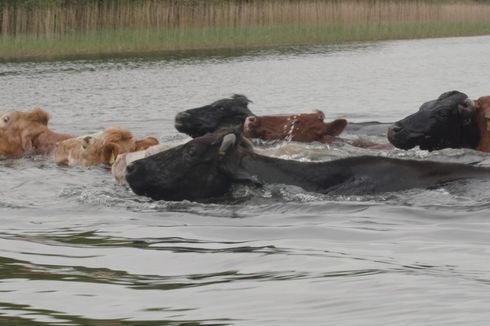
393 130
180 121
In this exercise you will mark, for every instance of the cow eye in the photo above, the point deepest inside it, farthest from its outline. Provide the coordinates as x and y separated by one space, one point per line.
441 115
195 151
191 152
6 119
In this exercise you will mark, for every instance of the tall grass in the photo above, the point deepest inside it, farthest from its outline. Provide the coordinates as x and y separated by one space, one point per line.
56 28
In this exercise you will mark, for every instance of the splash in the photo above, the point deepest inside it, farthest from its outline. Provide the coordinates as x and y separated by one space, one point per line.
289 136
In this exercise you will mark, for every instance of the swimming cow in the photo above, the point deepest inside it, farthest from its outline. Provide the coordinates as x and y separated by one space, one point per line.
224 113
207 166
99 148
447 122
304 127
23 133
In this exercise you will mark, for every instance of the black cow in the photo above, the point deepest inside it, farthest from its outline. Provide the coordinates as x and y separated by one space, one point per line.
207 166
224 113
448 122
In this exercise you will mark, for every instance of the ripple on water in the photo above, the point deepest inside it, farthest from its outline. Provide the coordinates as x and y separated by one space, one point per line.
77 249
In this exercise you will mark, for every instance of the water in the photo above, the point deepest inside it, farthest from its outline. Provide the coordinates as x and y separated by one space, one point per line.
77 249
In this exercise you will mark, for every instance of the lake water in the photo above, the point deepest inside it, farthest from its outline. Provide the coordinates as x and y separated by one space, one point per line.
77 249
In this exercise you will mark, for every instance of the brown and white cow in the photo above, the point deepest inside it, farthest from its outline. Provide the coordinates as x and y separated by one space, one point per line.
23 133
99 148
304 127
118 168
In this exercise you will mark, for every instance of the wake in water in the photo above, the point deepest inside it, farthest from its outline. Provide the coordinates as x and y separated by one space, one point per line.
36 181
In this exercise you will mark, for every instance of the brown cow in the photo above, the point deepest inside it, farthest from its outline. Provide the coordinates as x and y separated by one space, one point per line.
482 115
101 147
24 133
305 127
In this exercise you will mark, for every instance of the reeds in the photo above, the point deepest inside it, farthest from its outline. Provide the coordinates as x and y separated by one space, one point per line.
50 28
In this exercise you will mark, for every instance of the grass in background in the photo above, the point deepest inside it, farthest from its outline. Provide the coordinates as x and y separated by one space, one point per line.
71 28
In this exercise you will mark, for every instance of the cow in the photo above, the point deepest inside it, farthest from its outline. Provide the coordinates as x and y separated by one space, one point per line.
447 122
224 113
118 168
305 127
99 148
207 166
24 133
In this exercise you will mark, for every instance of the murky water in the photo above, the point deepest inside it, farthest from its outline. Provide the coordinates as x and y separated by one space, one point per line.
77 249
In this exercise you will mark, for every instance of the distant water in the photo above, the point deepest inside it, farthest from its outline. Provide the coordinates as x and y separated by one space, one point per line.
77 249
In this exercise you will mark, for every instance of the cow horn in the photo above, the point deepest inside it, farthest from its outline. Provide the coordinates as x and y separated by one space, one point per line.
228 141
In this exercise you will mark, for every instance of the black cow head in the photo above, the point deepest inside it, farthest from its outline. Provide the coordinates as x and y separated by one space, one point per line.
448 122
192 171
224 113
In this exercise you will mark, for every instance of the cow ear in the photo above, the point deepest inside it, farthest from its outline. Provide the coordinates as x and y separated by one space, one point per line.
320 114
145 143
336 127
466 111
4 120
39 115
109 153
447 94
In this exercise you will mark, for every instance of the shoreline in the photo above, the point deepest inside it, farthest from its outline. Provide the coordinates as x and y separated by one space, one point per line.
125 28
110 44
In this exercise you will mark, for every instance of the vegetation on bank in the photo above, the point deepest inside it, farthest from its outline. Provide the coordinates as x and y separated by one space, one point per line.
46 29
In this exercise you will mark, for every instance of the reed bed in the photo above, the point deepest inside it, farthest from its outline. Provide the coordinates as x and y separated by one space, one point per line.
65 28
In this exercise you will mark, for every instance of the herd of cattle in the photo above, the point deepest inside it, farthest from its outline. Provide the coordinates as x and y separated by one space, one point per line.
221 153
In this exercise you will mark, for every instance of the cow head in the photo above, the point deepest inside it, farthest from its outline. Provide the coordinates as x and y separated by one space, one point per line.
98 148
225 113
18 131
306 127
448 122
192 171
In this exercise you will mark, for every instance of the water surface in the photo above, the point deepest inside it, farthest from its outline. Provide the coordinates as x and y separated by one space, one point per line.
77 249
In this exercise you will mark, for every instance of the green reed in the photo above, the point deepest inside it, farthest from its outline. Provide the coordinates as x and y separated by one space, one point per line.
71 28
